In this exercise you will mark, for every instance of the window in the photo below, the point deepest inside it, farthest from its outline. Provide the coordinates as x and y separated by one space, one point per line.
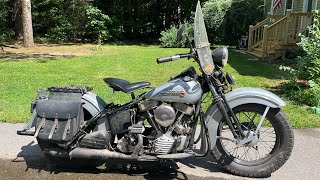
289 4
309 6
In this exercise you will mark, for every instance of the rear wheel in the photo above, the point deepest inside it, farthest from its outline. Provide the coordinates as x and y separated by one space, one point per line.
271 150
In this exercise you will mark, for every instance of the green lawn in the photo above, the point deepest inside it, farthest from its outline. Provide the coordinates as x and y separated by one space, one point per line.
19 80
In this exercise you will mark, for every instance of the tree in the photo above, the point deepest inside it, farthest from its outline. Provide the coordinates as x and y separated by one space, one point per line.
18 26
239 17
27 23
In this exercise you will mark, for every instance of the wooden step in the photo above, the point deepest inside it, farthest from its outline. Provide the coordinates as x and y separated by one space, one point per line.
259 50
256 51
255 54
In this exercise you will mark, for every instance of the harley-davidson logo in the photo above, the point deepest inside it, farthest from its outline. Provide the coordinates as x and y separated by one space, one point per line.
173 93
182 93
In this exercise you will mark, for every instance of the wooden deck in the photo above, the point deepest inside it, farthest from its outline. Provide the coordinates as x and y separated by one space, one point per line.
271 38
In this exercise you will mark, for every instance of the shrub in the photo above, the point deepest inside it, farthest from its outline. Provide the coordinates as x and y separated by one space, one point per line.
169 37
311 45
65 21
96 25
214 12
306 68
293 53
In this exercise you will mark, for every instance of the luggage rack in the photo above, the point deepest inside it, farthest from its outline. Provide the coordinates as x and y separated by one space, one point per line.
71 89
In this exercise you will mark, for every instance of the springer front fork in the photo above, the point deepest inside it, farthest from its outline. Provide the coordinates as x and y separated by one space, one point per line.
242 137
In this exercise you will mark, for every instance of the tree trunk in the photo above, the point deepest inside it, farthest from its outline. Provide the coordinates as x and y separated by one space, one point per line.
27 24
18 27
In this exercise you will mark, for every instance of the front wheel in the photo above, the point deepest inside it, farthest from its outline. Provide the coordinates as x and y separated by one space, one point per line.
266 154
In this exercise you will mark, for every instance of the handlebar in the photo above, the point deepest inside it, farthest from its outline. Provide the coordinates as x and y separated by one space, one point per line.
172 58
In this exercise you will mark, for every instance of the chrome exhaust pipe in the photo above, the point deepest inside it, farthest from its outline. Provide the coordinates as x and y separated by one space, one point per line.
102 154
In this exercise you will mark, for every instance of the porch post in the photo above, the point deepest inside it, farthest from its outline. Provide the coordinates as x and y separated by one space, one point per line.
286 33
250 38
264 41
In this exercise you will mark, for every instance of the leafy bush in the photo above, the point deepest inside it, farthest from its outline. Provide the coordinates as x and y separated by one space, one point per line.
96 25
311 45
306 68
214 12
169 37
65 21
228 20
293 53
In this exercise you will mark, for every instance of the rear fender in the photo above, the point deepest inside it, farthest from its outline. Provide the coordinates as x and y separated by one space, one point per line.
92 103
236 98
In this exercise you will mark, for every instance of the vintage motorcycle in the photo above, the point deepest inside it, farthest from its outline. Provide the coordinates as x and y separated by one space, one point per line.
244 130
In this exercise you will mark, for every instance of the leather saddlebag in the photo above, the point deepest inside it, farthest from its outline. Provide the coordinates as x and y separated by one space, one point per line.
58 121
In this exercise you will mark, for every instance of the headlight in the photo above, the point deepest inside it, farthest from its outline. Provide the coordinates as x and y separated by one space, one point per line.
220 56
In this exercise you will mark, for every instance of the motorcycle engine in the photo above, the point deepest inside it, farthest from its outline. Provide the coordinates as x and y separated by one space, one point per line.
164 115
173 118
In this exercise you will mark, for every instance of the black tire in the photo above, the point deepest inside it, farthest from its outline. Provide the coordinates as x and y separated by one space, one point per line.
262 166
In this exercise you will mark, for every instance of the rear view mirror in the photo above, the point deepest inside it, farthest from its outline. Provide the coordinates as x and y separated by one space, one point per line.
180 33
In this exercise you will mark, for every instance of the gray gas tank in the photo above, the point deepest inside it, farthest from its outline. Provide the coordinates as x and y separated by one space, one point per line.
184 90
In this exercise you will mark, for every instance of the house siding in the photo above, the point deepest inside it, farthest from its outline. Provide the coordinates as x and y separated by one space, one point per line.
282 9
267 6
298 5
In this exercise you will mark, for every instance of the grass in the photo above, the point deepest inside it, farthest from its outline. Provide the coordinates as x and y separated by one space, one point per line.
19 79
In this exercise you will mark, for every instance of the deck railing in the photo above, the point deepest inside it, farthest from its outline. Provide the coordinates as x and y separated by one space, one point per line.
256 34
274 36
298 25
278 30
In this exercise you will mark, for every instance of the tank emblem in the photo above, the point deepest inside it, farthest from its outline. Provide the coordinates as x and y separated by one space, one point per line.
182 93
173 93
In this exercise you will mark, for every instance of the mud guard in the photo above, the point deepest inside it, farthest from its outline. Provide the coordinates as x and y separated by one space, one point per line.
92 103
235 98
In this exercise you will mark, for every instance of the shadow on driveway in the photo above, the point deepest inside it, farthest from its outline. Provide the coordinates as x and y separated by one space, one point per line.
36 161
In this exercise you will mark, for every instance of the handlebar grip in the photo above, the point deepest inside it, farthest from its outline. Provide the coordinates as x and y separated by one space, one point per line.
164 59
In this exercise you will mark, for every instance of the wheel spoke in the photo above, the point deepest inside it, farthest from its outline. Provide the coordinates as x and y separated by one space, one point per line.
232 149
251 118
266 139
266 135
225 143
245 152
267 145
265 130
249 154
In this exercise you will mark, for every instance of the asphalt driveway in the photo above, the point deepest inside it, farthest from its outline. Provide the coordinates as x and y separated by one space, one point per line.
21 158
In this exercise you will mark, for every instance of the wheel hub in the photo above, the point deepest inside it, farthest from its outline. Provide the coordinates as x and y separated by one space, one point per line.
254 141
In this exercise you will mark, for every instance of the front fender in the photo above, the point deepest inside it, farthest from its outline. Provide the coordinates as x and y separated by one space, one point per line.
235 98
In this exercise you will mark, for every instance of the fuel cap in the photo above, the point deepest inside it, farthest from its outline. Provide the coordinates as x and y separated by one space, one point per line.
187 79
